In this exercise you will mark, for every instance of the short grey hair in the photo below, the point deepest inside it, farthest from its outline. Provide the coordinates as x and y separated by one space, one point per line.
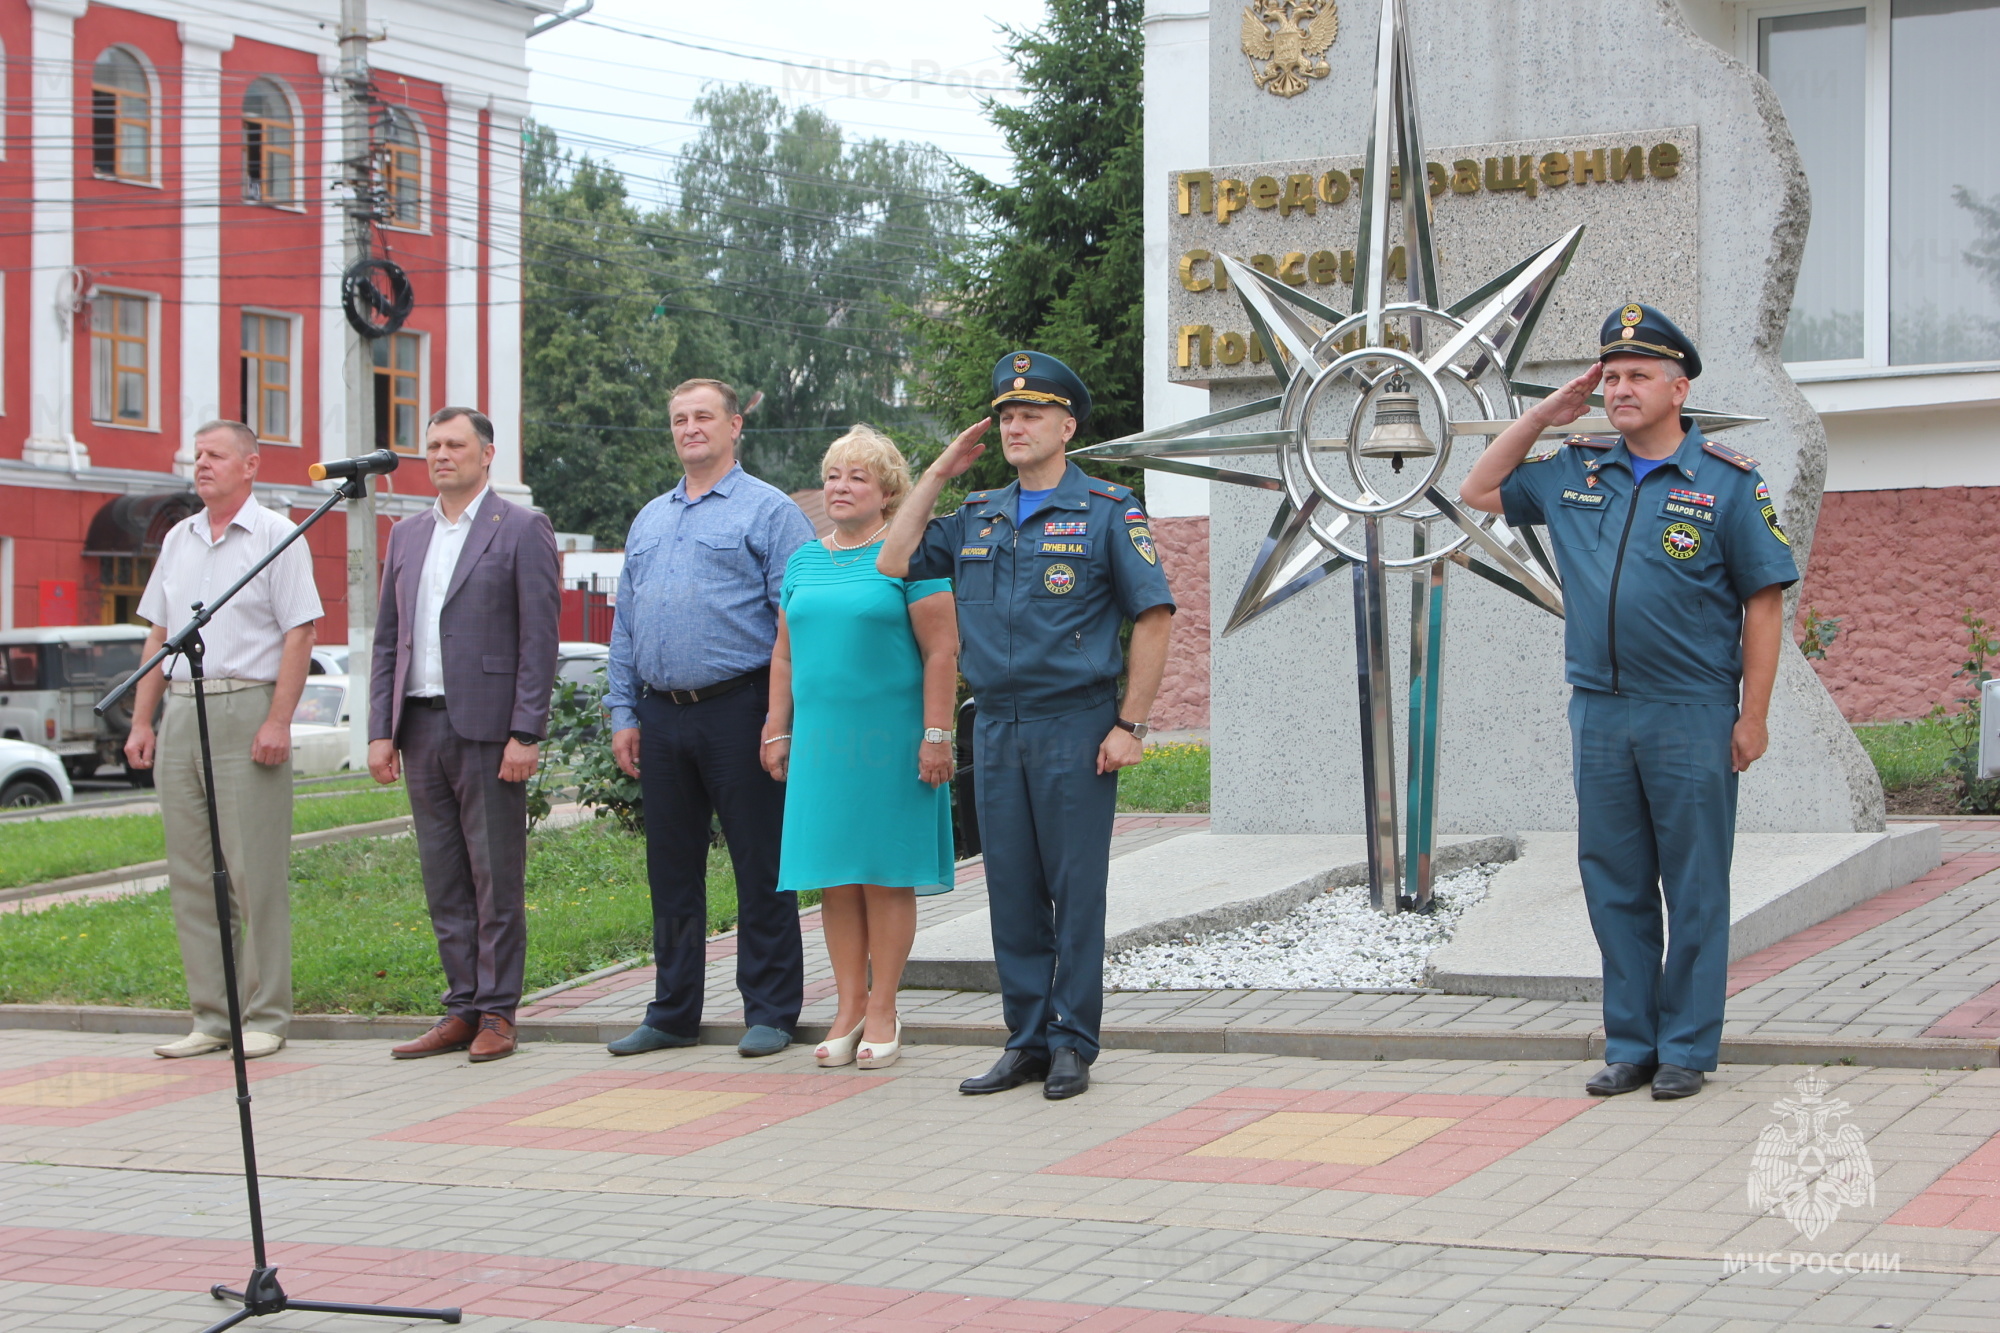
246 439
481 427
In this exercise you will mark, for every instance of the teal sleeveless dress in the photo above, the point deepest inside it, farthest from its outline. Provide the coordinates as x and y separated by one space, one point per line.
855 810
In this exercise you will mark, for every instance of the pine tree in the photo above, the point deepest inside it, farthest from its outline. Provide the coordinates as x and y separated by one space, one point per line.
1059 266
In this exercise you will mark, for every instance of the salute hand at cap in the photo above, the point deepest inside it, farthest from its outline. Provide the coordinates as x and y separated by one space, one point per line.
1569 402
962 452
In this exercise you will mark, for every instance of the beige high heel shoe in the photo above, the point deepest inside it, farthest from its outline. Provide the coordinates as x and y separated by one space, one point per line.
880 1054
837 1051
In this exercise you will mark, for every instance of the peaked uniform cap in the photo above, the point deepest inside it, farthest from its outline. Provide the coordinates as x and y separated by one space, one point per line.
1640 330
1037 377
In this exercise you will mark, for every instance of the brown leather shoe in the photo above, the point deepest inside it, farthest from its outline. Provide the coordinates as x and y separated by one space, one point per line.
451 1034
495 1040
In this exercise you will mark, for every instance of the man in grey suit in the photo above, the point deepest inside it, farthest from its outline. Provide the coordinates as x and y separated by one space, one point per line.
465 660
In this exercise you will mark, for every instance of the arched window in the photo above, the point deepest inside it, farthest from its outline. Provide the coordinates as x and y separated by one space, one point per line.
402 153
270 163
121 117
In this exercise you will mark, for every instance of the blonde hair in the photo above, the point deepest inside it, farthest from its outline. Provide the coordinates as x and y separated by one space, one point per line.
878 454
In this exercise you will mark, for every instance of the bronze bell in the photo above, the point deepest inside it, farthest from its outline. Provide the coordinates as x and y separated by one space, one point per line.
1399 427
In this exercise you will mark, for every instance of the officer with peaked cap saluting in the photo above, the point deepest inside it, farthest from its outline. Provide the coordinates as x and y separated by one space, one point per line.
1045 569
1674 568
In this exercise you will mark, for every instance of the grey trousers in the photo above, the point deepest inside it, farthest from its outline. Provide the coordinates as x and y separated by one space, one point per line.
472 839
253 805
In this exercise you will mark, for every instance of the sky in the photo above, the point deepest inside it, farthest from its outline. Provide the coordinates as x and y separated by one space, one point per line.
619 83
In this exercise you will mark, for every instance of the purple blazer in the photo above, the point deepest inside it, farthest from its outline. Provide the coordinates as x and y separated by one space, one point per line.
497 632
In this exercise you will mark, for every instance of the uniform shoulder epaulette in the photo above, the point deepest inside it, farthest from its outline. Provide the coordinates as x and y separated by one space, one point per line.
977 497
1591 441
1733 457
1110 490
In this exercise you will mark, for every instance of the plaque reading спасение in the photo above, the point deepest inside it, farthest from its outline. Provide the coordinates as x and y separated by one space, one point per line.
1492 203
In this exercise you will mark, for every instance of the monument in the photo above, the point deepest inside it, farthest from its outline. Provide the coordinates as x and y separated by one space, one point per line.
1400 231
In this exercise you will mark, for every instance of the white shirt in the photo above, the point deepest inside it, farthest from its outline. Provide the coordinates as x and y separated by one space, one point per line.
440 563
246 640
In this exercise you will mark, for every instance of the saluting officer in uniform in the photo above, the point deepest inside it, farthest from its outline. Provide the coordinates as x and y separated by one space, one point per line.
1045 570
1674 568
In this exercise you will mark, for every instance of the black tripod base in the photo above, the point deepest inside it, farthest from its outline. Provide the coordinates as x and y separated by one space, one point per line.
262 1295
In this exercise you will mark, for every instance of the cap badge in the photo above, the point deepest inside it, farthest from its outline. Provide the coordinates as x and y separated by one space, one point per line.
1628 333
1021 364
1020 383
1630 315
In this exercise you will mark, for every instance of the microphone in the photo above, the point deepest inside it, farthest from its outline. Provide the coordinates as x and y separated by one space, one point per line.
367 465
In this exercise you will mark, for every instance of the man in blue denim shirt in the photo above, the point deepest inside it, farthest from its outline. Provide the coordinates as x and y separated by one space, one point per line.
689 686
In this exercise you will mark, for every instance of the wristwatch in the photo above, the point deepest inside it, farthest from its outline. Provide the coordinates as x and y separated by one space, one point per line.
526 737
936 736
1139 730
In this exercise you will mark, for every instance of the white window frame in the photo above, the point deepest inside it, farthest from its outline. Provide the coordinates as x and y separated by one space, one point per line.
426 198
294 358
1875 171
154 116
89 341
299 145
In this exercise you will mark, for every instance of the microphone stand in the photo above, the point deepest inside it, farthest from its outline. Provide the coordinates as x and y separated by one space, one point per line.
261 1294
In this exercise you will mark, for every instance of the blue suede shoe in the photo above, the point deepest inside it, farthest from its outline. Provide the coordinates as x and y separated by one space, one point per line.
762 1040
642 1039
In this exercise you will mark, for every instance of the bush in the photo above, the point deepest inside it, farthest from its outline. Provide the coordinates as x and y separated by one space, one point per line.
1976 795
578 751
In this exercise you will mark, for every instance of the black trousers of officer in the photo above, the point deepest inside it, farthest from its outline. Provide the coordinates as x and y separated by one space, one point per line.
696 760
1045 820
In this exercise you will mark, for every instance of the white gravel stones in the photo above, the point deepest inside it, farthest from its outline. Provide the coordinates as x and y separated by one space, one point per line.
1333 942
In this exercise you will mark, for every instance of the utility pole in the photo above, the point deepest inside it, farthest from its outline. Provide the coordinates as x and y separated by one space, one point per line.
357 105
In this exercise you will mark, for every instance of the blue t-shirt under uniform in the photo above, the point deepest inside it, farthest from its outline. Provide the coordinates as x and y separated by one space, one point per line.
1641 466
1030 502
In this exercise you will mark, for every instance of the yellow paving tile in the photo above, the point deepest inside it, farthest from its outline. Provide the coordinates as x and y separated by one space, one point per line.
83 1087
644 1110
1326 1136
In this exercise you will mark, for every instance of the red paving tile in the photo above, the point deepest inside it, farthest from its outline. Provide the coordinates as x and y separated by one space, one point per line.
777 1097
609 1295
1487 1130
1966 1198
1978 1017
192 1078
1886 906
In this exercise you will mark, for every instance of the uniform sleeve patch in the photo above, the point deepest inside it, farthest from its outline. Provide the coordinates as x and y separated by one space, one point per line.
1135 515
1733 457
1771 522
1142 542
1763 491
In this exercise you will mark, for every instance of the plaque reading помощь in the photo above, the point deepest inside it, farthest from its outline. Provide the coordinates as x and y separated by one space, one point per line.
1635 193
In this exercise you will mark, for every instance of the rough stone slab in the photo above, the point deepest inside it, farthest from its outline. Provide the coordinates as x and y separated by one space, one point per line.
1531 937
1196 884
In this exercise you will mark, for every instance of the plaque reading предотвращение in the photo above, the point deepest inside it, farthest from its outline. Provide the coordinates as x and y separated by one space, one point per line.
1635 193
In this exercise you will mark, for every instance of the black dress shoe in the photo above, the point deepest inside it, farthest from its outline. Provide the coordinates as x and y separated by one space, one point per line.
1673 1082
1618 1077
1068 1074
1011 1070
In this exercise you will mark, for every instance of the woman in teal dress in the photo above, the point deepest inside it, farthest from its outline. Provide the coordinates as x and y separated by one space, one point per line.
863 681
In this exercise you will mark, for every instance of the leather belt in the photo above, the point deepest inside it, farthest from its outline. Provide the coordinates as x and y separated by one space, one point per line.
215 685
707 692
423 701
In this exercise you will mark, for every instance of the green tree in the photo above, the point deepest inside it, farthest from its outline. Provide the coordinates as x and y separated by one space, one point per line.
814 245
1059 264
599 348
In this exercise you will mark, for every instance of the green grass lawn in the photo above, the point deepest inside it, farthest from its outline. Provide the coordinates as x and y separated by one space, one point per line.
1172 780
361 935
1906 754
37 850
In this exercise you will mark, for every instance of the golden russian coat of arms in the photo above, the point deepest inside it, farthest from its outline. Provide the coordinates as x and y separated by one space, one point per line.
1289 36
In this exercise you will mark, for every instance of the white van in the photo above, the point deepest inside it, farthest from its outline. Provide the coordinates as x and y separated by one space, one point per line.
49 678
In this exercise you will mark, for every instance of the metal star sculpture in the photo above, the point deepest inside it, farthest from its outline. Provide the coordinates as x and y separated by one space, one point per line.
1463 358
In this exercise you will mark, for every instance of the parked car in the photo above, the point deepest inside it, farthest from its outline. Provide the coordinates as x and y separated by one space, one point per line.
581 662
320 727
329 659
49 678
31 775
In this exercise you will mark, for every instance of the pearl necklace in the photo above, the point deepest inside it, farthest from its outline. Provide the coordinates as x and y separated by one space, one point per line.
832 543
